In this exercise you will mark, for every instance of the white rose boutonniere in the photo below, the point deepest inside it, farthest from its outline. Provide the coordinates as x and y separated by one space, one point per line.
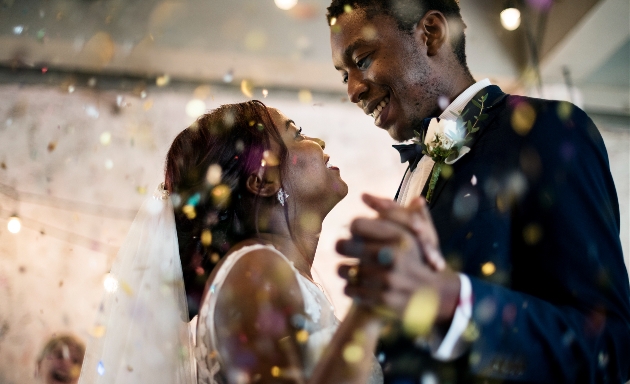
444 140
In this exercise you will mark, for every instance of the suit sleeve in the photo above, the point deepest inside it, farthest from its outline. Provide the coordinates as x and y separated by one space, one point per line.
565 315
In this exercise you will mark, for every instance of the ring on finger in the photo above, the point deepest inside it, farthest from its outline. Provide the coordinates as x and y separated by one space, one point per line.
353 275
385 256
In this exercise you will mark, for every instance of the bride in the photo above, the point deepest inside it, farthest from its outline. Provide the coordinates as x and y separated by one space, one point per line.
235 226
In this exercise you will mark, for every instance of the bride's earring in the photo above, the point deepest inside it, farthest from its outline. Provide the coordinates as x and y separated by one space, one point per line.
282 196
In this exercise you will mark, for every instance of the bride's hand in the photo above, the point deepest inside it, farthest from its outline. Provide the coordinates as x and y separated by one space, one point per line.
417 219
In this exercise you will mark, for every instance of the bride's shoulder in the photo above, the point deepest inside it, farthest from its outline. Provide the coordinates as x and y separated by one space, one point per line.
255 266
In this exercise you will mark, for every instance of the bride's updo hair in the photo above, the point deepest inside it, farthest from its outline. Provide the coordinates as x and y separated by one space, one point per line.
206 170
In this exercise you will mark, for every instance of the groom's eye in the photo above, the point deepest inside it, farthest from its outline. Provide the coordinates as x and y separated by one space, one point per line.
344 78
363 63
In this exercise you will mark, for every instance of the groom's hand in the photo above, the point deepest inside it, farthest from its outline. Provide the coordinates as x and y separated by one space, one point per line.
391 270
417 219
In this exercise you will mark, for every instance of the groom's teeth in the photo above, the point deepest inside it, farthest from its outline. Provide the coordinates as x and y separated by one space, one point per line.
379 108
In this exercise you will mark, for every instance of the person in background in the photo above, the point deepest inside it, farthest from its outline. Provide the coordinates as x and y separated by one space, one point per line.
60 360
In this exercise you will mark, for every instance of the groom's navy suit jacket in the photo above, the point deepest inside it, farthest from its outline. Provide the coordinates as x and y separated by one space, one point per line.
534 197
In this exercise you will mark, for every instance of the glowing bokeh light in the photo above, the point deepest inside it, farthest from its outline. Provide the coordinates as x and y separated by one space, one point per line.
286 4
110 283
14 225
195 107
510 18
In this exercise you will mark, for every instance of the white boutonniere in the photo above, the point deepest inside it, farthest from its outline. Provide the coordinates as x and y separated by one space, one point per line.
444 140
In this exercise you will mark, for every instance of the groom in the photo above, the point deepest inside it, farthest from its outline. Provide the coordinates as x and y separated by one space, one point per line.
525 213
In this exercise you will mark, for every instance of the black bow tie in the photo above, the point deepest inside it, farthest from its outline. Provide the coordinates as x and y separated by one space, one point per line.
412 153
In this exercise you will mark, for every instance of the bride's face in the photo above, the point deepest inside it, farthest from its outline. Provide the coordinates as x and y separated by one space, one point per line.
310 178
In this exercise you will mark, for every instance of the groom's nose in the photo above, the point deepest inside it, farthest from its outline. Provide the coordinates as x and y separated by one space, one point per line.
356 89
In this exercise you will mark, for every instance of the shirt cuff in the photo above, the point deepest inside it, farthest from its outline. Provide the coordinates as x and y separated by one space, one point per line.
453 344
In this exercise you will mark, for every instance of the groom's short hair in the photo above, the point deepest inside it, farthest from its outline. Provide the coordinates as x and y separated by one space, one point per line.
407 13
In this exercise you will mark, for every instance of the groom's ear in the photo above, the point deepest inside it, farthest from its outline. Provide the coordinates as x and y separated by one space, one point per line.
433 31
265 183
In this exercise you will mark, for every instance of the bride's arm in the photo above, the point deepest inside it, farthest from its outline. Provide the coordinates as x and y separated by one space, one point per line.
257 320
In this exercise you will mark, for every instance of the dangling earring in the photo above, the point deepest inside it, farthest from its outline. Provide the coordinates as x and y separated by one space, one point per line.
282 196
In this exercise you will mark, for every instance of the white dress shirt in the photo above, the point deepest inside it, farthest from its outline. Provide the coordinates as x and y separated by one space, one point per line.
453 345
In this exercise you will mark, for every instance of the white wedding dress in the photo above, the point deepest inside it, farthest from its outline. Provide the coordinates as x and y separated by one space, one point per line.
321 324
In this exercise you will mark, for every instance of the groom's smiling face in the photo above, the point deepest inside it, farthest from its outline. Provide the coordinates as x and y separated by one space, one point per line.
387 71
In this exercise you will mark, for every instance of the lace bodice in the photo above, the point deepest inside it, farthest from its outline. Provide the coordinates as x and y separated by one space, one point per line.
321 322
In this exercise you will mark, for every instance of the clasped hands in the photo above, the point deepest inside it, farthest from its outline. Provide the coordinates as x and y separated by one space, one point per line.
398 256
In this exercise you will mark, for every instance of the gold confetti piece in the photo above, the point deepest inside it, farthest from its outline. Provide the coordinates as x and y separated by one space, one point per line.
162 80
215 258
51 146
333 21
305 96
247 89
352 353
98 331
126 288
147 105
221 195
488 268
421 312
347 8
275 371
564 110
302 336
141 190
523 118
532 234
206 237
189 211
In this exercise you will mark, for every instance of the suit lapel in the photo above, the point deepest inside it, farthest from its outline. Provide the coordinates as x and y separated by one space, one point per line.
495 96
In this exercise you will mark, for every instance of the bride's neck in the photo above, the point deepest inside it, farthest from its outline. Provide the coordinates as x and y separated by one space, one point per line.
299 246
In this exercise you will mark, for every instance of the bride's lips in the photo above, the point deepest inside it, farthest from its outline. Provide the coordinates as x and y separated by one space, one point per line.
329 166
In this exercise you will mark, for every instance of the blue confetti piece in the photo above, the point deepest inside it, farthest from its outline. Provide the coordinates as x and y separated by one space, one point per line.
100 368
194 199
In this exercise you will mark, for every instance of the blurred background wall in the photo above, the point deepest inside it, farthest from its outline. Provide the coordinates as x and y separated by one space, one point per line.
92 92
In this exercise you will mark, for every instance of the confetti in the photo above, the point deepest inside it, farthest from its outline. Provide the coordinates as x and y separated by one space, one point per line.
488 268
532 234
305 96
523 118
18 29
352 353
162 80
100 368
228 77
265 93
206 237
109 164
421 312
247 88
51 146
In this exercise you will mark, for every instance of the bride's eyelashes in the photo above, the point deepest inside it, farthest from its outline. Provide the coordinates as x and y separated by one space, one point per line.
298 133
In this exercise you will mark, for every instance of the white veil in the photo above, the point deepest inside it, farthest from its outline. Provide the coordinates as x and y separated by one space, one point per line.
141 334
